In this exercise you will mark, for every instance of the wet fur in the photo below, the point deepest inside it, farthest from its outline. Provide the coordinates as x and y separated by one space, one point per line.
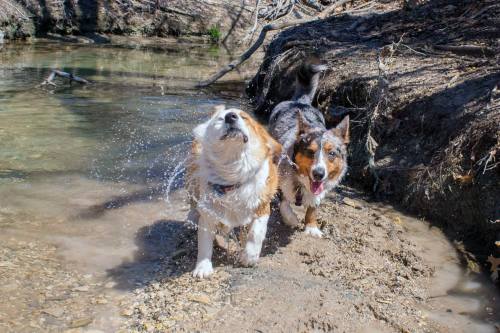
301 129
220 159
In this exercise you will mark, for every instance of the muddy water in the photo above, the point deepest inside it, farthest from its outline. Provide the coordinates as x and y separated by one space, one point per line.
88 205
458 299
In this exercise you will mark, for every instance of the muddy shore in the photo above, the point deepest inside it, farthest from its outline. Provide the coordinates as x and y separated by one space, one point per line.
376 270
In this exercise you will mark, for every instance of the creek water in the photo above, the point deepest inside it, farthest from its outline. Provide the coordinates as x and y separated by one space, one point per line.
86 171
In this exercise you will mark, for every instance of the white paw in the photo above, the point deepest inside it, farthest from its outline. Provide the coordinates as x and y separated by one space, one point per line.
313 231
203 269
248 259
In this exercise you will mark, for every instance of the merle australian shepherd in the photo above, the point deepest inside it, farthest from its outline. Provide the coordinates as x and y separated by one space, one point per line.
316 160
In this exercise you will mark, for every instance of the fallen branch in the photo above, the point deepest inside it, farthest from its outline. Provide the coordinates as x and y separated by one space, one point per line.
471 50
175 11
251 50
268 27
50 79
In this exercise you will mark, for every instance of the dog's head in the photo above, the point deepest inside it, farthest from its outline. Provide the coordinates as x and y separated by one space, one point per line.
230 132
320 156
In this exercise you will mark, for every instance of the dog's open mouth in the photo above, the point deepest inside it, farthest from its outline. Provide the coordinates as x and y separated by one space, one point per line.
316 187
234 132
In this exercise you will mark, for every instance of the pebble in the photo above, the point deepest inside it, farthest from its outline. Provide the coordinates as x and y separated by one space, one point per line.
127 312
81 288
54 312
199 299
80 322
110 284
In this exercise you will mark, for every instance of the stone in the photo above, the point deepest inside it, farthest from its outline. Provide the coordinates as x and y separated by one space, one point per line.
54 311
80 322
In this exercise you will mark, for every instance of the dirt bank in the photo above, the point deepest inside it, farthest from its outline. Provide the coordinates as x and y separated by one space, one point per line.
425 109
223 20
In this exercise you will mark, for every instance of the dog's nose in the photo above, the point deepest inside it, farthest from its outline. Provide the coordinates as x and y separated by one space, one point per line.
230 117
318 174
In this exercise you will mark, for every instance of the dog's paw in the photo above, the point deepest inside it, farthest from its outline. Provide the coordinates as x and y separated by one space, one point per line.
313 231
203 269
248 259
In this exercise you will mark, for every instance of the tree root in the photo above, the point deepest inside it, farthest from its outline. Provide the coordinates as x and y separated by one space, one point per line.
470 50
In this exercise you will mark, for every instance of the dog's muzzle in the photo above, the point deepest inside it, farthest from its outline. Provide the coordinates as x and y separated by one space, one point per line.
233 131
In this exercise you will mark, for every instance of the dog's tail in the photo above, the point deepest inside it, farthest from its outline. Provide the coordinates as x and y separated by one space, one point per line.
307 80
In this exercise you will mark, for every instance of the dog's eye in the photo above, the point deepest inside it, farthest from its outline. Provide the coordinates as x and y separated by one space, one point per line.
332 153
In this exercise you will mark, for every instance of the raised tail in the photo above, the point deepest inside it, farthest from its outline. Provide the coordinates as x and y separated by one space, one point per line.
307 79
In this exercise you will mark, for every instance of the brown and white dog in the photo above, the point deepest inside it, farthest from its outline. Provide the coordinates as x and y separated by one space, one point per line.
317 155
232 178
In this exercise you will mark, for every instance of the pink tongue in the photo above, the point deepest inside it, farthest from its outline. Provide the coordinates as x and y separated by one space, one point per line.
316 187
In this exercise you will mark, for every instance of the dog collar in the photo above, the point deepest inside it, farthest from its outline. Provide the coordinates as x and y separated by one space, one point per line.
223 189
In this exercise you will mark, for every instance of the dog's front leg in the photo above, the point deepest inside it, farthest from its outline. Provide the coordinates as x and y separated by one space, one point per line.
206 234
287 214
311 223
255 237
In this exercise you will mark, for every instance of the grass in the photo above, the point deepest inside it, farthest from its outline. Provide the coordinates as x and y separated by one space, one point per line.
215 34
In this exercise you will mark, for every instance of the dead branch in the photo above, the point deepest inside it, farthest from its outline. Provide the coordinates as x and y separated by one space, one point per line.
251 50
471 50
262 36
23 16
55 72
254 27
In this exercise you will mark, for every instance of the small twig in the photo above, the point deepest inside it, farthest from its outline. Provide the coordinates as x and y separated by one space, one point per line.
23 16
55 72
471 50
251 32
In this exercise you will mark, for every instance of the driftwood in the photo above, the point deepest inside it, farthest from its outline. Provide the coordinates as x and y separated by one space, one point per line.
262 36
471 50
55 72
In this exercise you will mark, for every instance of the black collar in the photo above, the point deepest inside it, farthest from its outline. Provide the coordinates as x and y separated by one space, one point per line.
223 189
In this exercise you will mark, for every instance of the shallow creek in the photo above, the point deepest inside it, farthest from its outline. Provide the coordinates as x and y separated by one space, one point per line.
86 170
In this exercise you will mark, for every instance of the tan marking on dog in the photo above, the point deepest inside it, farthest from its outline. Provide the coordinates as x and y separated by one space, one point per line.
191 169
334 167
270 147
304 164
310 219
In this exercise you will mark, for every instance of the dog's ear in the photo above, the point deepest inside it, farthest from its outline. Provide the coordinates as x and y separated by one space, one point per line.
199 131
302 125
217 109
342 130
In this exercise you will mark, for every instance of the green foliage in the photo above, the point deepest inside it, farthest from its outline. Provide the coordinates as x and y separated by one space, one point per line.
215 34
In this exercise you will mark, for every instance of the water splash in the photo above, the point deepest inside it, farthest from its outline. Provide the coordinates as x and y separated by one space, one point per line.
178 170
